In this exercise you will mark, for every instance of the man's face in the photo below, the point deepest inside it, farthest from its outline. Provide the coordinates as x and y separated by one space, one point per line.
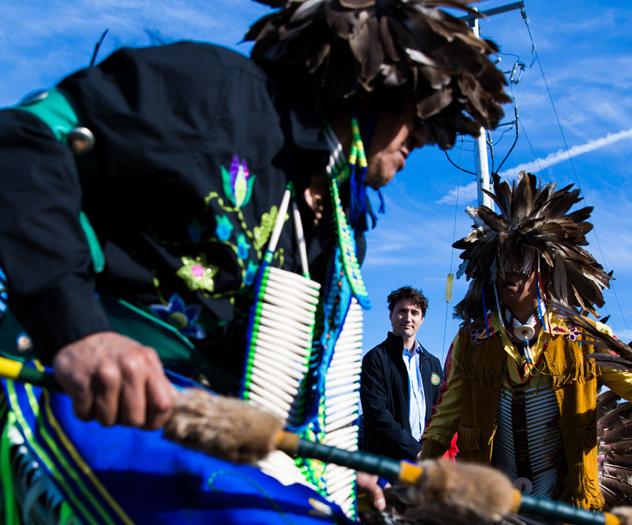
517 288
406 318
390 146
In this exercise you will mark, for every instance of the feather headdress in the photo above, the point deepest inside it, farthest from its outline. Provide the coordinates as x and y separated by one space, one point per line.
338 49
533 224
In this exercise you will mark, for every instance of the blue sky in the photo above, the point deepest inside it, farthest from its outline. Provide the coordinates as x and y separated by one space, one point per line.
584 49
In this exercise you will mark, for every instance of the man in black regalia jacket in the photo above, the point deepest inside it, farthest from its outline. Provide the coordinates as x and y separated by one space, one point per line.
148 150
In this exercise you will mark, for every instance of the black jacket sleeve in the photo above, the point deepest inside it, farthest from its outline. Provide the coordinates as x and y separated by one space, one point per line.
43 250
149 110
383 435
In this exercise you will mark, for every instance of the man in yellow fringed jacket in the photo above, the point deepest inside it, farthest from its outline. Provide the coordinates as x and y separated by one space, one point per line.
521 391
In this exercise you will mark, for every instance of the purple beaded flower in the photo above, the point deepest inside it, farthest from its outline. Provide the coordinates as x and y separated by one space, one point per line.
238 182
180 316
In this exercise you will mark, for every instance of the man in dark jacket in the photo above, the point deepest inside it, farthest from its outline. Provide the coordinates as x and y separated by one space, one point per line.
179 156
400 381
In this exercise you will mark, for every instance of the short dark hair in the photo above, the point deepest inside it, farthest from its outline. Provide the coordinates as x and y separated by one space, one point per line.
408 292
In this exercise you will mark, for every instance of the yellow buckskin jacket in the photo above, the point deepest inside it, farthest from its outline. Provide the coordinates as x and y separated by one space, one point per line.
480 363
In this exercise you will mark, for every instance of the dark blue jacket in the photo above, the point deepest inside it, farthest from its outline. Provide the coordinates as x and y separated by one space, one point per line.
386 398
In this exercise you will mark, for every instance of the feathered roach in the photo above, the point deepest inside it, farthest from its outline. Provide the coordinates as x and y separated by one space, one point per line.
532 222
369 50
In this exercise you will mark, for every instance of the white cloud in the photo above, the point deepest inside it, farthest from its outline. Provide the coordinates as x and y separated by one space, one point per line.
462 194
563 155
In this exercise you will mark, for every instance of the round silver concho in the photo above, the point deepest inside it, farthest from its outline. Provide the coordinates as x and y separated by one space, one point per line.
81 140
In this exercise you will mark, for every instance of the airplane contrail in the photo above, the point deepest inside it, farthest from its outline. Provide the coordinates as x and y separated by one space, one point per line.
467 193
563 155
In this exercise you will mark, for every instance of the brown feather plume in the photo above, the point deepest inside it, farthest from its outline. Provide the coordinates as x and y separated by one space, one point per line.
531 222
335 50
608 351
614 431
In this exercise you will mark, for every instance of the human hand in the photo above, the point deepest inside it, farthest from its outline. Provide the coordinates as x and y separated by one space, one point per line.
115 380
367 483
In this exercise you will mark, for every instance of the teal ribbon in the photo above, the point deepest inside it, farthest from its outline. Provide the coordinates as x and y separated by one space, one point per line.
55 111
96 252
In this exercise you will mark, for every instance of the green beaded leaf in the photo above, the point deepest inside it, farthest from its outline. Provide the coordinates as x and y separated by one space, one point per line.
262 232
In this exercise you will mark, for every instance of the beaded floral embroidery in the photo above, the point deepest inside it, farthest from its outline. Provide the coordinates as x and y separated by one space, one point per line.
181 316
479 334
569 332
230 229
237 183
246 242
224 228
197 274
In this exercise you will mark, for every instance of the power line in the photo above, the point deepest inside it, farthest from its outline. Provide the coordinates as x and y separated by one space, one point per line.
535 155
534 51
456 209
460 168
516 134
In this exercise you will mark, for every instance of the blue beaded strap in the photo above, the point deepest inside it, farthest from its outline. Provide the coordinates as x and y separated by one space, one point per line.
346 243
339 171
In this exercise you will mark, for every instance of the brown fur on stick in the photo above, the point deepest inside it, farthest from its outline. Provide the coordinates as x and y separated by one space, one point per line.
452 492
223 427
447 492
624 514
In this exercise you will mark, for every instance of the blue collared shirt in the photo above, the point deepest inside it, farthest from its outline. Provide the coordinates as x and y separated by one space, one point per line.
417 408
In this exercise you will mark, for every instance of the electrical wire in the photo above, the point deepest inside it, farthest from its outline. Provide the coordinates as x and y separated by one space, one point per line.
460 168
456 209
489 142
504 132
535 155
534 52
516 134
518 64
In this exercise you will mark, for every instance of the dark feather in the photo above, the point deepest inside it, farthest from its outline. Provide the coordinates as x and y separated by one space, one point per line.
611 361
621 492
614 431
272 3
367 47
606 401
595 336
332 50
535 221
620 434
615 417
